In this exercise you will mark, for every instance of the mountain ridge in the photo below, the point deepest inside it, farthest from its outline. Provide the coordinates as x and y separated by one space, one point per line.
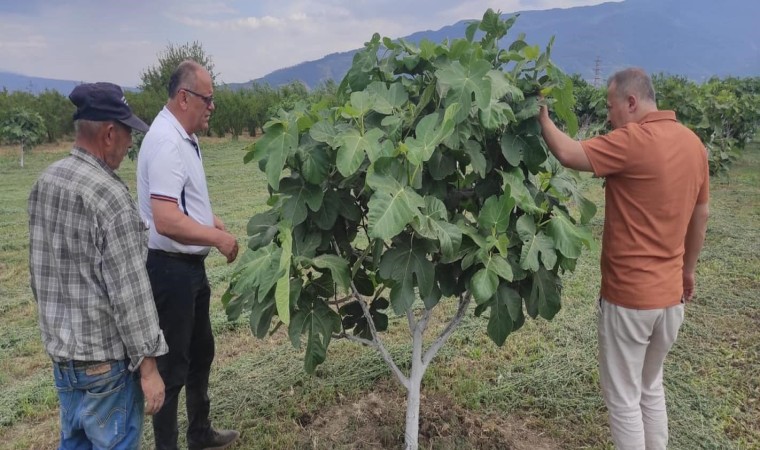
697 39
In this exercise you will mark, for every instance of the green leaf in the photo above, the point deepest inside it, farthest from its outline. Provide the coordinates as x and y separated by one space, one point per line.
428 134
262 312
565 102
257 270
338 269
353 146
568 238
565 183
282 288
483 285
498 265
500 321
534 154
326 216
276 145
361 102
513 147
318 322
299 195
514 186
477 159
545 293
385 100
502 88
262 228
421 147
441 165
405 267
432 224
315 164
324 131
351 152
391 208
534 243
306 241
373 148
494 216
458 84
528 109
531 52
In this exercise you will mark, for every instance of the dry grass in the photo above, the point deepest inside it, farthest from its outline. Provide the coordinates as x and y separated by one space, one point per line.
538 391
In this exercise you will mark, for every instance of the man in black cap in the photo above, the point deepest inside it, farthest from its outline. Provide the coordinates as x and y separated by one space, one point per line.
87 262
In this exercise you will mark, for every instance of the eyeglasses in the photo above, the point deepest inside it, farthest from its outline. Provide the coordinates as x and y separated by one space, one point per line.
207 99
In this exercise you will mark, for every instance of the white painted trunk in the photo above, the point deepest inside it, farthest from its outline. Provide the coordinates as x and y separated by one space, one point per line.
22 155
412 431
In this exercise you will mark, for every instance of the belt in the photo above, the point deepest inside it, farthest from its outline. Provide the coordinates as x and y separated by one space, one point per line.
91 368
183 256
80 364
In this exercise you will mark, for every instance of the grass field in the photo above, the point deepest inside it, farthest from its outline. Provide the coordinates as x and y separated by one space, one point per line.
539 391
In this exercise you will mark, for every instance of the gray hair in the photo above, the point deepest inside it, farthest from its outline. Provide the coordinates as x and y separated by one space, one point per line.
633 81
185 74
90 128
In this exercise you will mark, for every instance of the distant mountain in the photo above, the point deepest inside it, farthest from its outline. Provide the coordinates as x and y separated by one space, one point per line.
694 38
35 85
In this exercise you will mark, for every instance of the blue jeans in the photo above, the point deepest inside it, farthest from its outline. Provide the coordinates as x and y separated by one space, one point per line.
101 406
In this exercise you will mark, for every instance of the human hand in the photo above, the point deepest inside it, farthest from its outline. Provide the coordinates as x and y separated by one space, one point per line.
543 109
152 386
228 246
689 280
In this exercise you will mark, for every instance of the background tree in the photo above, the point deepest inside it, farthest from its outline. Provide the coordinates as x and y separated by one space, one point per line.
428 184
57 112
23 128
156 78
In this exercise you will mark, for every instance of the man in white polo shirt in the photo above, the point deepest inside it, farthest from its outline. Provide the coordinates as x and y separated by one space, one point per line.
174 202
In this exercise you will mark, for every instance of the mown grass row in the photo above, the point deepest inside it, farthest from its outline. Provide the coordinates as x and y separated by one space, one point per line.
543 383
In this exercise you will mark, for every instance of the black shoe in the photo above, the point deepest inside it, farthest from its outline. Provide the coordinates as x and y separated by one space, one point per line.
214 440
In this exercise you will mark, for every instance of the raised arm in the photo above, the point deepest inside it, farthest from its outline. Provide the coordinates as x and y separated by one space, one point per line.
567 150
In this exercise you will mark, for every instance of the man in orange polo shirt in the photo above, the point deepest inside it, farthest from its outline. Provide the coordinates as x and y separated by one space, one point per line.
656 209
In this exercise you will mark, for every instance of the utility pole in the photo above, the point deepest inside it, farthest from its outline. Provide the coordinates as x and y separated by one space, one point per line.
597 72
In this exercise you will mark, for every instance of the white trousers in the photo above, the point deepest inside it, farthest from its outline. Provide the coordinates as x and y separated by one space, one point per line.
632 348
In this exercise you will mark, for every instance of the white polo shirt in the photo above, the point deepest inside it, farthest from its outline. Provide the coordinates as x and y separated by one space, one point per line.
170 167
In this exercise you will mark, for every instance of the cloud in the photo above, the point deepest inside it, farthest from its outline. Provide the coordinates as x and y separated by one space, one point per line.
253 23
96 40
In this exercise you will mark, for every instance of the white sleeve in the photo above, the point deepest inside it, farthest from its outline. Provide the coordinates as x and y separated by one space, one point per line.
167 174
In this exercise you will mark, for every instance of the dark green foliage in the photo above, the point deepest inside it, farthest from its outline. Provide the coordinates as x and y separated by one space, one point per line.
428 180
22 127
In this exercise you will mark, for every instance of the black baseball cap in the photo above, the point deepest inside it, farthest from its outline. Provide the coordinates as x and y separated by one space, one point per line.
103 101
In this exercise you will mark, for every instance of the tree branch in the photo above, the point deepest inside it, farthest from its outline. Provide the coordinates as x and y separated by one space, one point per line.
464 302
375 337
357 339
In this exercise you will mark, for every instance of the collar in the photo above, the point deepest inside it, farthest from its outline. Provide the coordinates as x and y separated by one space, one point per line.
657 116
166 114
89 158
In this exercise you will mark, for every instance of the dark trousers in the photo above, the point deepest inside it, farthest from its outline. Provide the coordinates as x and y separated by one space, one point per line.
182 295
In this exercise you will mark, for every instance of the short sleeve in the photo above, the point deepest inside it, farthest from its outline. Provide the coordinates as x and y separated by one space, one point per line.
166 171
608 154
704 191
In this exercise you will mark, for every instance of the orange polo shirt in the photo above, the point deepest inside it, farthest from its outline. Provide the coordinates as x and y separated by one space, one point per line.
656 172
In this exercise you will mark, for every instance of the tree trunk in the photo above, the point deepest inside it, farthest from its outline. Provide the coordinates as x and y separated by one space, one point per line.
412 432
22 155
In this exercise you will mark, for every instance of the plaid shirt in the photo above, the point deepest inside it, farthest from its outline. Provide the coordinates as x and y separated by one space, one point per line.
87 262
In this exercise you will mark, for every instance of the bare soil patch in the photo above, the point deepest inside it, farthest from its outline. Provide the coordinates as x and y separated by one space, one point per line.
376 421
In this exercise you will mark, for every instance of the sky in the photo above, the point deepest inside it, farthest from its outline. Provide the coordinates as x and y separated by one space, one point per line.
117 40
